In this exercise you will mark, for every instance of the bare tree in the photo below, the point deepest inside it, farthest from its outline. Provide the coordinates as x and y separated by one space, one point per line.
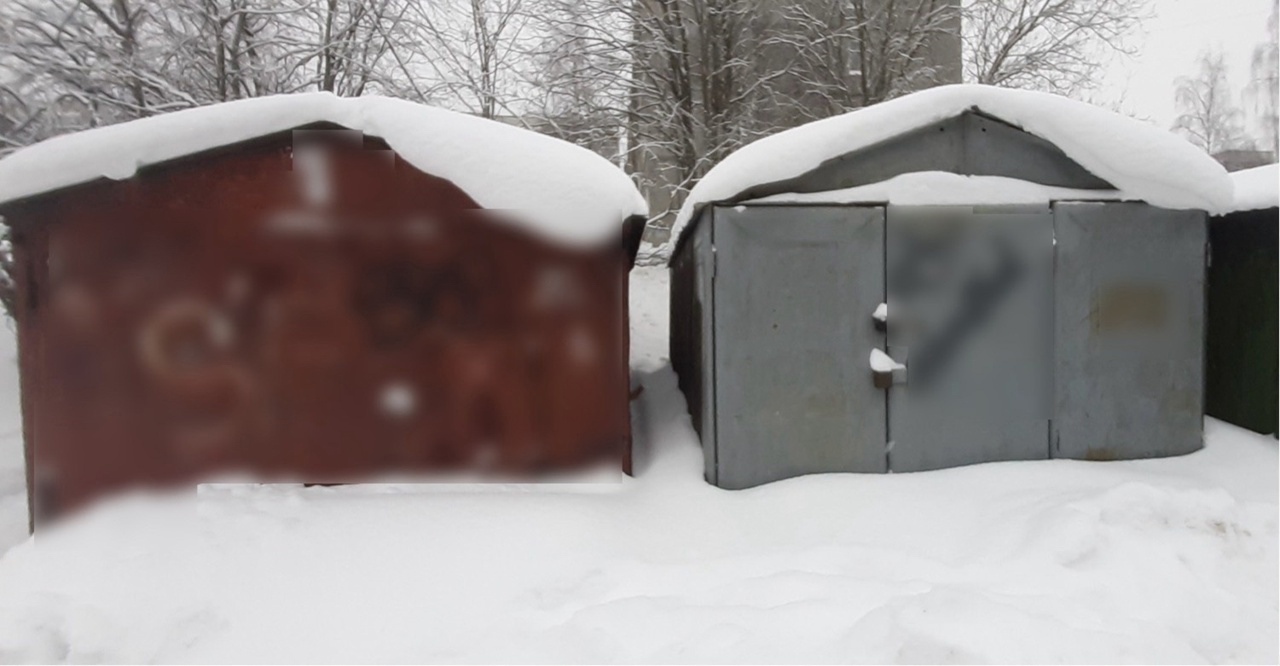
72 64
577 87
473 51
1207 115
696 79
675 72
856 52
79 63
219 50
1263 90
1054 45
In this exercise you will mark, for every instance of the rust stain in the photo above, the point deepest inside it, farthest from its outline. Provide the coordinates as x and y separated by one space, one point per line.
1101 454
1129 307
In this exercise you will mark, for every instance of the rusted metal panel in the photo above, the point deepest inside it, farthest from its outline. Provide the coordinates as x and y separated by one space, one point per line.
237 312
27 265
1129 331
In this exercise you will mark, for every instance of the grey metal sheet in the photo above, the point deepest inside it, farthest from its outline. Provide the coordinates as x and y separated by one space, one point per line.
678 328
1129 331
935 147
969 316
996 148
795 288
703 309
971 143
692 336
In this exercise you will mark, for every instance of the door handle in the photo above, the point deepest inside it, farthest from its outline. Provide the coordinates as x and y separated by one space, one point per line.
885 371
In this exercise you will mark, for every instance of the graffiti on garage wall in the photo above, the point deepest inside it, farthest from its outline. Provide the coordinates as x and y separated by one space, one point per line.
326 340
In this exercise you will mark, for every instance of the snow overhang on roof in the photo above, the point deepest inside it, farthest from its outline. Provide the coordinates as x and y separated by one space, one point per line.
1254 189
1141 162
561 191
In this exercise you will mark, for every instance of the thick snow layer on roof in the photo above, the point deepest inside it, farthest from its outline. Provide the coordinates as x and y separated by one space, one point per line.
562 191
1255 189
943 188
1142 161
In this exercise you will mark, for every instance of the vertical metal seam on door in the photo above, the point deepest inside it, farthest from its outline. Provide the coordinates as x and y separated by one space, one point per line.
884 295
1204 320
712 366
1051 445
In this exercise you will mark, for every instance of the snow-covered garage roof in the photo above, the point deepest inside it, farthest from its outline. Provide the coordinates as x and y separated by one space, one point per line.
563 191
1141 161
1255 189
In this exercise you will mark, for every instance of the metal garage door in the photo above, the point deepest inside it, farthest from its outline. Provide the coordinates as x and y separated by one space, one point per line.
796 288
969 290
999 330
1129 333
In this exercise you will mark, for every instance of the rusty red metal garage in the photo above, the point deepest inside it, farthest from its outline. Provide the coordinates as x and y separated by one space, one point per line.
306 304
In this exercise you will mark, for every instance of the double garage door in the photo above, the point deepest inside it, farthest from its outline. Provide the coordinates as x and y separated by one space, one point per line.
873 339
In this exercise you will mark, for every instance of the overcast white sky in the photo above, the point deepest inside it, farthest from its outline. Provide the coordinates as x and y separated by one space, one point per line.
1173 39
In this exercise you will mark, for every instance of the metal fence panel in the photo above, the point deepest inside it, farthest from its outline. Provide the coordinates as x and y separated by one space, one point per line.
795 291
1129 334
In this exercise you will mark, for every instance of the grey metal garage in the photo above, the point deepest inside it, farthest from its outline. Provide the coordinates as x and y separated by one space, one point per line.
962 291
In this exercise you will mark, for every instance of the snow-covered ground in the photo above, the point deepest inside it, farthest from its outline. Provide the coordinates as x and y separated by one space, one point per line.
13 487
1169 560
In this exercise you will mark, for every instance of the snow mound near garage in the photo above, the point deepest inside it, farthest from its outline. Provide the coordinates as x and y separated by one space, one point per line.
552 187
1164 561
1255 189
1143 162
